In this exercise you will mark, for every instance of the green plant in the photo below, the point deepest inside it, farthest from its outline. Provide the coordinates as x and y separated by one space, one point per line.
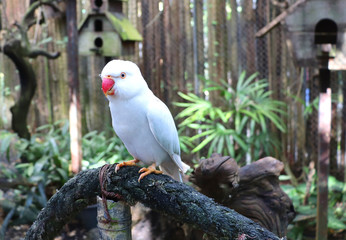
45 156
45 166
239 123
308 107
307 213
99 150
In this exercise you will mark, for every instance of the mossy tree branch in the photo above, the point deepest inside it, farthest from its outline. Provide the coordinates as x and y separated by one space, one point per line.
158 192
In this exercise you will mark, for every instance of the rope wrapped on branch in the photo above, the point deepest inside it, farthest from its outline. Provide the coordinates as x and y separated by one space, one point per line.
158 192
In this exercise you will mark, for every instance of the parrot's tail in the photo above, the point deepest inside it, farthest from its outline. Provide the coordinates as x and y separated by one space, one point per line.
182 166
175 169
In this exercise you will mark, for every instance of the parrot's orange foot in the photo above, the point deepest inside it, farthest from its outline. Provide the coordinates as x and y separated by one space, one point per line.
127 163
147 171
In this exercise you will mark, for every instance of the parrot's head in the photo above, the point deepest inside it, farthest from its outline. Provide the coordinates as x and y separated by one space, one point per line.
122 79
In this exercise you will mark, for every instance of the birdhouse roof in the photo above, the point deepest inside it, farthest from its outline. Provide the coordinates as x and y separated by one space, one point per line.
120 24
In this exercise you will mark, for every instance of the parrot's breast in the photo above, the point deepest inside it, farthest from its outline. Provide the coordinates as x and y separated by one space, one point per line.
129 120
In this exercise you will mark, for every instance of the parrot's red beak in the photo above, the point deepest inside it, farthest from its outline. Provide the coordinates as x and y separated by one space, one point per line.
108 86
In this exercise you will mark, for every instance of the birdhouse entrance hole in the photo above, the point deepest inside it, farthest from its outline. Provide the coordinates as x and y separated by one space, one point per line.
98 25
98 3
326 31
98 42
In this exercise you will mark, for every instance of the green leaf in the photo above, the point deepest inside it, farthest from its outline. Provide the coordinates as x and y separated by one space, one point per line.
212 146
42 199
202 134
5 144
240 141
63 173
230 147
28 203
204 142
243 123
249 114
40 164
190 97
90 134
199 126
23 165
237 122
284 177
335 223
54 146
220 144
306 210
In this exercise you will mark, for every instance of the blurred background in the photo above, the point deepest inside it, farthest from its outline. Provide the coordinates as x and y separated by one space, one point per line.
241 77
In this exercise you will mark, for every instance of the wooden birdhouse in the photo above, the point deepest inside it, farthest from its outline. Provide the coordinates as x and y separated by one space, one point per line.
314 26
106 31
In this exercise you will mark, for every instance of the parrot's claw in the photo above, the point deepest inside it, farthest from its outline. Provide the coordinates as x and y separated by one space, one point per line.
147 171
127 163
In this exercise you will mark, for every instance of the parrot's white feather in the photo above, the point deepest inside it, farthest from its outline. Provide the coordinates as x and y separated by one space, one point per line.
170 168
142 121
159 118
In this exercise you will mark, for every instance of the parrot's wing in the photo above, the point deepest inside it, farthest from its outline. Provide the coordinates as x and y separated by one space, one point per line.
162 126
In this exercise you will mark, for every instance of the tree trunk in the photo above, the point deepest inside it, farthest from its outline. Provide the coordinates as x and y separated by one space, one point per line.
28 86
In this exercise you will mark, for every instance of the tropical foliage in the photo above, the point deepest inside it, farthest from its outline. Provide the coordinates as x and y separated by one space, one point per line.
98 149
44 165
307 212
43 169
238 123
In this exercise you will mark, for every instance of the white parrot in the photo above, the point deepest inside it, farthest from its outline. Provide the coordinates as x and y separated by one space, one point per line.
142 121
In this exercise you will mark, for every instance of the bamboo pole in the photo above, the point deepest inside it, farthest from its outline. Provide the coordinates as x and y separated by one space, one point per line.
118 227
167 53
195 48
249 22
74 115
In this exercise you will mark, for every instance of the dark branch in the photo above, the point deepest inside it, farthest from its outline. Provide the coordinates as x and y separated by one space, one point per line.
33 21
279 18
7 184
29 15
15 52
25 44
40 52
158 192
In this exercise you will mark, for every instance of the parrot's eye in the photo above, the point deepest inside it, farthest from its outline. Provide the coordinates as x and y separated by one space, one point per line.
123 75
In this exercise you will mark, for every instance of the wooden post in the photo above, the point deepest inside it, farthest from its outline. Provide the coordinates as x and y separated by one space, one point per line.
324 122
72 62
120 225
195 49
